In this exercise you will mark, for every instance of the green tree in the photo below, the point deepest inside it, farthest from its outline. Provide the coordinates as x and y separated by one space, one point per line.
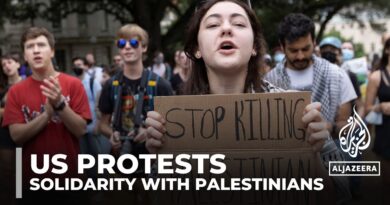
358 47
321 11
149 14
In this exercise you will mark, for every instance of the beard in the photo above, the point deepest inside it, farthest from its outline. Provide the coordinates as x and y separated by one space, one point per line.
300 64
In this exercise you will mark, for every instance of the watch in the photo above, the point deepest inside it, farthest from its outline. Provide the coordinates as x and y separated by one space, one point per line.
60 106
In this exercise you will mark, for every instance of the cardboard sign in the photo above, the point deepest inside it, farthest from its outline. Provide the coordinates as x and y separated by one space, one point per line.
357 65
262 135
223 122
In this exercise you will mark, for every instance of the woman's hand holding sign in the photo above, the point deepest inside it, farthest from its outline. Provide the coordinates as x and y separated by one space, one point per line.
155 131
312 118
315 126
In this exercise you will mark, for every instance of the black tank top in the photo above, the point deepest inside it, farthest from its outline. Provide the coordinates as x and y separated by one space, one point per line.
384 89
382 140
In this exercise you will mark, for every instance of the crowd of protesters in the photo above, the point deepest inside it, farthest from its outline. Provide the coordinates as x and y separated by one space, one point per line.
110 110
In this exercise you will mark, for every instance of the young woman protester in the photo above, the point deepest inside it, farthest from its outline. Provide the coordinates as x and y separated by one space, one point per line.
379 87
225 45
9 75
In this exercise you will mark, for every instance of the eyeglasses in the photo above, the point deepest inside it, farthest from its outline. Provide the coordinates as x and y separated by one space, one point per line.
133 43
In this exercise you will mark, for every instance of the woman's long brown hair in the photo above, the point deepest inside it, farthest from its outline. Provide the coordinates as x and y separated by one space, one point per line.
198 81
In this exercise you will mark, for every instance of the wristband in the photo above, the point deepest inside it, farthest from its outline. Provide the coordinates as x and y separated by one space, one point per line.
61 105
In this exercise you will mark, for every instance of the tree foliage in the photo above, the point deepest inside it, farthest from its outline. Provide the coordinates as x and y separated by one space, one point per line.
321 11
146 13
358 47
150 13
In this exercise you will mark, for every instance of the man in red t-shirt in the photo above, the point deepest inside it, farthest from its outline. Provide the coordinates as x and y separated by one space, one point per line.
48 112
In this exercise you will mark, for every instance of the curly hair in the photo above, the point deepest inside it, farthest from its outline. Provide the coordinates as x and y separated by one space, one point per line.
295 26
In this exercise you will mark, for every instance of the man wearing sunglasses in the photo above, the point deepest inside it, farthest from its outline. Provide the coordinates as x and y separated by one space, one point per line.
122 118
132 42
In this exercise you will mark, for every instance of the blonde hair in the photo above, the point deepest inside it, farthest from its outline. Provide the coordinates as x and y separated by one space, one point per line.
129 31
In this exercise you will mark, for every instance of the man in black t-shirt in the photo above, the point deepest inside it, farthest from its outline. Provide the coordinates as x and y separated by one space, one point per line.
118 103
132 42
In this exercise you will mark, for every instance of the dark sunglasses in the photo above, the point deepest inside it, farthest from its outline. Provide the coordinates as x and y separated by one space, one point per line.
133 43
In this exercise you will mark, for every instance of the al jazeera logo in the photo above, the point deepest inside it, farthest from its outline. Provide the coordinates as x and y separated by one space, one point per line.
354 138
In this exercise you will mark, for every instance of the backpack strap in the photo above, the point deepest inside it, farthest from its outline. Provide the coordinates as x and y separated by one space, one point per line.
140 102
91 81
148 83
152 88
116 90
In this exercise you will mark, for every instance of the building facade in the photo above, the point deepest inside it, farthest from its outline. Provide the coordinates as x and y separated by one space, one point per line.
75 35
370 38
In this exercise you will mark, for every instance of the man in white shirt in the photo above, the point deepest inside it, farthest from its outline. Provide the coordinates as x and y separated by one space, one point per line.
94 71
302 70
159 67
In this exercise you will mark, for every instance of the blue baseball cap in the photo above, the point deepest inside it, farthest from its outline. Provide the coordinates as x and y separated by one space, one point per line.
331 41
